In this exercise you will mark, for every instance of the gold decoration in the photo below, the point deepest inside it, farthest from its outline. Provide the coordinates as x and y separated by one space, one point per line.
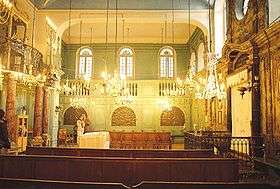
174 117
123 116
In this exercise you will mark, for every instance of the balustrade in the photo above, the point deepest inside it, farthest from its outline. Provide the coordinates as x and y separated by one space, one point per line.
243 148
76 87
23 58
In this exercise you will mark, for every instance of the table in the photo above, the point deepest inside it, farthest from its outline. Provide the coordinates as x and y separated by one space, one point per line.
100 140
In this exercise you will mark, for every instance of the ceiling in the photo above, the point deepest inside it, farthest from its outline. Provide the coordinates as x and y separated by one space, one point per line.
132 26
131 33
123 4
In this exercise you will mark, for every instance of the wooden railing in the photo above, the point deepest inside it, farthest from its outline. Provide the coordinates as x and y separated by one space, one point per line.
243 148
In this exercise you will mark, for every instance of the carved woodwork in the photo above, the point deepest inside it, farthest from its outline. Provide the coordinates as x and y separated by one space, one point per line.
240 31
123 116
72 114
174 117
140 140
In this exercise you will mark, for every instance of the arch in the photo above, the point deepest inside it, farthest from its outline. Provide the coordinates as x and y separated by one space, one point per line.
126 62
123 116
200 57
72 114
174 117
84 65
167 62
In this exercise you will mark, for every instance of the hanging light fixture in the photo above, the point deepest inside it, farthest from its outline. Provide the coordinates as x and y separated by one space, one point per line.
212 87
115 85
5 11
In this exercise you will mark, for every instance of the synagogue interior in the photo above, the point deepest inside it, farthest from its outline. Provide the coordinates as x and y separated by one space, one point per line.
80 109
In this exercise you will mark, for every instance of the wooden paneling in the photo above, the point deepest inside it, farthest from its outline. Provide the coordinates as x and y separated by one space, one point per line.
129 171
119 153
31 183
140 140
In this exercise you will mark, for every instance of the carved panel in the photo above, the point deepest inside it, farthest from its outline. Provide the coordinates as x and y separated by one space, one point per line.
123 116
72 114
174 117
240 30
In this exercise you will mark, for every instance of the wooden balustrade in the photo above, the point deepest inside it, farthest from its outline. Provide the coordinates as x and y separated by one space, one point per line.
118 153
243 148
140 140
129 171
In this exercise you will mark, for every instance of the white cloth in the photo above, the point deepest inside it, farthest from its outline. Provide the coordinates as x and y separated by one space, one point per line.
99 140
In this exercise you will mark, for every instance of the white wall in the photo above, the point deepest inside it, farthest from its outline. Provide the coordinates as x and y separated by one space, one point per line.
220 26
274 10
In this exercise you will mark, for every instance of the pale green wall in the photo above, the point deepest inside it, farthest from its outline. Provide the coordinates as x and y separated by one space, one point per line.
146 59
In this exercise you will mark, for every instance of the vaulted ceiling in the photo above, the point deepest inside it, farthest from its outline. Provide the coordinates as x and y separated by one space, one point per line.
136 21
123 4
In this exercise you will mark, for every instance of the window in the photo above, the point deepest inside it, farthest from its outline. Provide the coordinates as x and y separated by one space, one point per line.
166 62
85 63
126 62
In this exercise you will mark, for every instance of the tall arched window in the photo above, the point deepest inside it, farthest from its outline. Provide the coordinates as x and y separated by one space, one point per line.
126 62
166 62
85 63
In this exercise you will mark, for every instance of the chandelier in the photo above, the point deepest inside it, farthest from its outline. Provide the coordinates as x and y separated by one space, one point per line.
210 86
116 85
5 11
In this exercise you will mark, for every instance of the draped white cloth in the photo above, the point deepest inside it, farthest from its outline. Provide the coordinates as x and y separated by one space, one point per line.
100 140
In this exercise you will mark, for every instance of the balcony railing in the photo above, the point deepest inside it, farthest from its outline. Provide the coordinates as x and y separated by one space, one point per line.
76 87
21 57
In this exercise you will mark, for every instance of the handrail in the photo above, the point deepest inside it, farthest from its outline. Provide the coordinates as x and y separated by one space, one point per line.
27 59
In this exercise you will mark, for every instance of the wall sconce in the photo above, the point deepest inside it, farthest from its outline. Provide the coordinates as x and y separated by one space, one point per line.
249 86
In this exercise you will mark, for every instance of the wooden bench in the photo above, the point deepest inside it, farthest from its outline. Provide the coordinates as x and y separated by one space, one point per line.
203 185
8 183
119 152
129 171
42 184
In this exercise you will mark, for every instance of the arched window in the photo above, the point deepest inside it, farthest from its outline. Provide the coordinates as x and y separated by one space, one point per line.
200 57
126 62
166 62
85 63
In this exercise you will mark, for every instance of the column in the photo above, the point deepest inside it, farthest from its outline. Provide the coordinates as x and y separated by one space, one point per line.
53 115
45 134
38 115
10 108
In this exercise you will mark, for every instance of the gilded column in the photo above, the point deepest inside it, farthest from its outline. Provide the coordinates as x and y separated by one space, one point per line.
38 115
10 108
46 117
